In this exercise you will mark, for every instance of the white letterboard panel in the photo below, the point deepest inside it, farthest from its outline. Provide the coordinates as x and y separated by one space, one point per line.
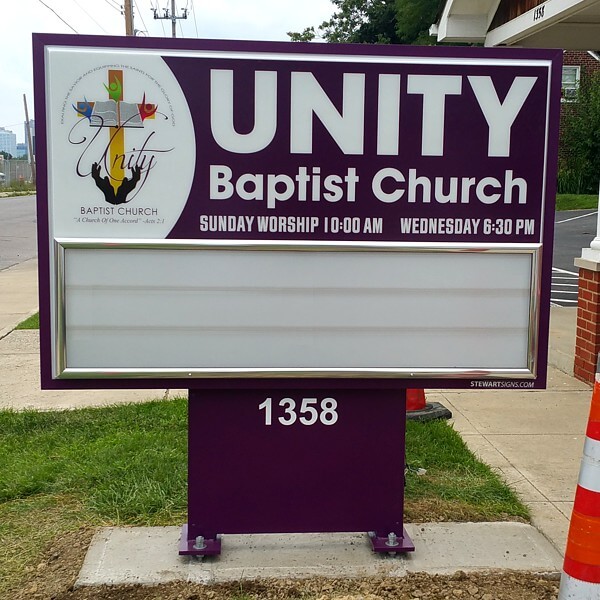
293 310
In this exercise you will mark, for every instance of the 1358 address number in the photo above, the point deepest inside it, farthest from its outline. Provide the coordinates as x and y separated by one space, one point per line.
311 411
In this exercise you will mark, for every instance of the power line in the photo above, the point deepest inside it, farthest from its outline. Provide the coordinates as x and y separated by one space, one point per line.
50 8
140 14
113 5
194 15
90 16
155 10
172 16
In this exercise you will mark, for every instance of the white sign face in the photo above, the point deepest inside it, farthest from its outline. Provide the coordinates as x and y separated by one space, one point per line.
218 210
122 149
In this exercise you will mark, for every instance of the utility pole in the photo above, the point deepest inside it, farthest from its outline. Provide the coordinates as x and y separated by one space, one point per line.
173 20
128 11
172 16
29 142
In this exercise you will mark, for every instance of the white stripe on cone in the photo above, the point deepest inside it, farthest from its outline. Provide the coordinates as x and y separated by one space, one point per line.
589 474
591 448
573 589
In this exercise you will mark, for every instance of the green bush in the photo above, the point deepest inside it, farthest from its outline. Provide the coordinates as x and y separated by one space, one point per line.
579 167
19 186
571 181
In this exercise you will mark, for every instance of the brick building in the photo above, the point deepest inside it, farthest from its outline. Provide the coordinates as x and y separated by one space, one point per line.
578 65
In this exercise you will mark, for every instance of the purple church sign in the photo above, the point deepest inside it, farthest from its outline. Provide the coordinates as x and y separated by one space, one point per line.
296 233
216 210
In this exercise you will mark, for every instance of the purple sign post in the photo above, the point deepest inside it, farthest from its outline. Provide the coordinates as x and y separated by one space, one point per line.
296 233
309 460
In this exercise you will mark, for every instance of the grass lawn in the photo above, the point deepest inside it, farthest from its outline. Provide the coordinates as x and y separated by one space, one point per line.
32 322
126 465
17 189
576 201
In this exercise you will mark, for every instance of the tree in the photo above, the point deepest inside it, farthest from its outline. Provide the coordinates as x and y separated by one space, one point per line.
579 167
376 21
6 155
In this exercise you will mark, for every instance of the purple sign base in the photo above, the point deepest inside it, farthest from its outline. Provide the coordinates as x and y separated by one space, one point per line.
296 461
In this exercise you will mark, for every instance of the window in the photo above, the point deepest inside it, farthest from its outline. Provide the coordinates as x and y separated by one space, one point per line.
570 83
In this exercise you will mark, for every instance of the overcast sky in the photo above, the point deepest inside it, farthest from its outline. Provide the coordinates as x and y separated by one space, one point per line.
232 19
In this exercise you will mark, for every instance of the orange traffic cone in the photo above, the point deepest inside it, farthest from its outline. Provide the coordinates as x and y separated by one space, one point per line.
415 400
581 571
417 409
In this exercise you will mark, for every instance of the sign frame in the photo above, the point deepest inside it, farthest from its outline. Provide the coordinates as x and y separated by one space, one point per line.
51 272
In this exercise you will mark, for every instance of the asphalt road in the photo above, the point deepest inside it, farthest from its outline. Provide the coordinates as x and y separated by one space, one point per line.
18 241
573 230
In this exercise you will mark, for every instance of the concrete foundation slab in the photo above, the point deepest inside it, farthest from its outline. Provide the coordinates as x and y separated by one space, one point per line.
450 547
148 555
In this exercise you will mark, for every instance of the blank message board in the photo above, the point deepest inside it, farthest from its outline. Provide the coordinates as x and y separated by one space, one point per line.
286 310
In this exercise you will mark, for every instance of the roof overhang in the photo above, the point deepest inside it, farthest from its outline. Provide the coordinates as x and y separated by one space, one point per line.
568 24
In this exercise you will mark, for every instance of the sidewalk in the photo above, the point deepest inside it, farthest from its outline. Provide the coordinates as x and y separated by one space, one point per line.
19 354
18 295
534 438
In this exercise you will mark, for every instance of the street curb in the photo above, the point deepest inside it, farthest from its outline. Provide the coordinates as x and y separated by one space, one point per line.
4 332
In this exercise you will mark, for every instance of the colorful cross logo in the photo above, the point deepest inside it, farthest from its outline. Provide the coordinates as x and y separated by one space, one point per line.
116 115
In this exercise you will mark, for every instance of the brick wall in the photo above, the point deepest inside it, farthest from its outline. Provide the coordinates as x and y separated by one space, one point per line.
583 59
587 345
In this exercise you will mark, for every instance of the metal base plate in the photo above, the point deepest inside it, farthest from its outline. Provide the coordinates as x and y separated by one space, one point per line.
188 547
212 547
380 544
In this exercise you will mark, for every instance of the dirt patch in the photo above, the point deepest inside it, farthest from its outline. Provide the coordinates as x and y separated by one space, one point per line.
54 577
56 573
436 510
